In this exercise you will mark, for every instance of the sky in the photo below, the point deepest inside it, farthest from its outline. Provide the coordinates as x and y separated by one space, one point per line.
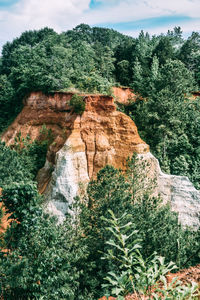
126 16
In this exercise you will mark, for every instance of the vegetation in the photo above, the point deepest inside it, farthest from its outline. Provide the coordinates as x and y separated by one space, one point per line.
163 69
157 227
43 257
65 261
134 274
44 260
78 104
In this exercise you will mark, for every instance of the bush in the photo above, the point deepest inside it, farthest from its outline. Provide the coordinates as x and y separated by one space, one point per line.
22 162
131 273
156 224
78 104
43 257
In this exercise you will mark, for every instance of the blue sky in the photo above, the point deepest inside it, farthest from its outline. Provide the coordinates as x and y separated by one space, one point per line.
147 23
126 16
7 3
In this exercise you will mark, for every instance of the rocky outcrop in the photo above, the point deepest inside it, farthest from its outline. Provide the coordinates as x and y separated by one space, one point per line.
176 190
69 177
123 95
82 145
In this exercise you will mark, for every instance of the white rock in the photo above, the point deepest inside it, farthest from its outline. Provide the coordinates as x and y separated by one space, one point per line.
70 170
178 191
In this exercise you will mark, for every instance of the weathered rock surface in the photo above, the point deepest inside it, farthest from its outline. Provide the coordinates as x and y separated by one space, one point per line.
82 145
178 191
123 94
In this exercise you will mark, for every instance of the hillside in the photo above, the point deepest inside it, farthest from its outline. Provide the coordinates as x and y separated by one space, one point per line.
91 212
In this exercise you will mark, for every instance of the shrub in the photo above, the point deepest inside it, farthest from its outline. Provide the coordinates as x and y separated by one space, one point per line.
130 272
156 224
78 104
43 257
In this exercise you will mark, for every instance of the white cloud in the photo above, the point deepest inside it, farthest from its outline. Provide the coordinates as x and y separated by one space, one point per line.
128 10
66 14
35 14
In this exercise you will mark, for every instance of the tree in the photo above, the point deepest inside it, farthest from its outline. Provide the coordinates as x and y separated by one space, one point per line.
104 60
168 121
175 37
49 71
13 166
43 256
7 110
190 54
28 38
129 193
164 50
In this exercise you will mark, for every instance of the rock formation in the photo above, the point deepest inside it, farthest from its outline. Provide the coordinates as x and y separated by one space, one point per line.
123 95
82 145
176 190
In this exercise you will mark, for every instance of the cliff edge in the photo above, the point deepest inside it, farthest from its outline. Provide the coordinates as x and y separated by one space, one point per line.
83 144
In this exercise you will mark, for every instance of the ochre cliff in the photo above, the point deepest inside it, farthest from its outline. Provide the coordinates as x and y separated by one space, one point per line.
82 145
123 94
108 136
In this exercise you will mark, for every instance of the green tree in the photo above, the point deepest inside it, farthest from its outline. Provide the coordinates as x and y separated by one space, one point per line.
40 68
175 37
168 121
78 104
157 226
7 110
164 50
28 38
43 257
190 54
20 164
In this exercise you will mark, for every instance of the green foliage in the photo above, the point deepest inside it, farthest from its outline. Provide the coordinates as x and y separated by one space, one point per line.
48 68
157 226
78 104
30 38
13 167
22 161
190 54
169 121
7 110
43 257
19 198
131 273
124 256
164 50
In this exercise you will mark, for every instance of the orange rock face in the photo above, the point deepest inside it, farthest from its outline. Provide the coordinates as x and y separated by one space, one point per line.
5 221
123 94
108 136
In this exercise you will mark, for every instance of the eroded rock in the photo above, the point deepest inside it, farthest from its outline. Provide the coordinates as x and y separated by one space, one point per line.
82 145
178 191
